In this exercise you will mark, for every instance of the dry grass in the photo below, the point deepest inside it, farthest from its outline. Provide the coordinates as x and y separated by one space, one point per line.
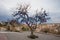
46 28
49 28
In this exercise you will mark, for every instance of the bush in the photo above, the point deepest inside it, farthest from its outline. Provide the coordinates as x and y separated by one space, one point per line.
25 29
45 30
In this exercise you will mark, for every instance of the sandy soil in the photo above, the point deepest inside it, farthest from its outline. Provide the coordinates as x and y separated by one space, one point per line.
23 36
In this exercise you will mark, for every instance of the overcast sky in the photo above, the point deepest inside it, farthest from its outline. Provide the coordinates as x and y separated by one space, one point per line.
51 6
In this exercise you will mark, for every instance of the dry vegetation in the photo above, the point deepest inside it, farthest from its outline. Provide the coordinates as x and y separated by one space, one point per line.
13 26
49 28
46 28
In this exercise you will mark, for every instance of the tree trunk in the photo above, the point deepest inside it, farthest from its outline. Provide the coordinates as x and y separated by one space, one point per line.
32 34
32 31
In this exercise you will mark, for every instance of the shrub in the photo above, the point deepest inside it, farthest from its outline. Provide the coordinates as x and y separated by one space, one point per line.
45 30
25 29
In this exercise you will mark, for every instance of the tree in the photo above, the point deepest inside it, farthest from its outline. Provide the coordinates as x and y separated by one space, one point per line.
30 21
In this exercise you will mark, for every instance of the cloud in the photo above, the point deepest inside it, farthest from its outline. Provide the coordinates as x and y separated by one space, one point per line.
4 13
53 6
55 18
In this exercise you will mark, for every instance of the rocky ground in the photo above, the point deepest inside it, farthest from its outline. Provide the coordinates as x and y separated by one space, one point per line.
23 36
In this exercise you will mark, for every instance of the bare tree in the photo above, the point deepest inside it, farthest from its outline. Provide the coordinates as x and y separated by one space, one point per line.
30 21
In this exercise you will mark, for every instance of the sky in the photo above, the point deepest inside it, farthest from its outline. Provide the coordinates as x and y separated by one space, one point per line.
51 6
